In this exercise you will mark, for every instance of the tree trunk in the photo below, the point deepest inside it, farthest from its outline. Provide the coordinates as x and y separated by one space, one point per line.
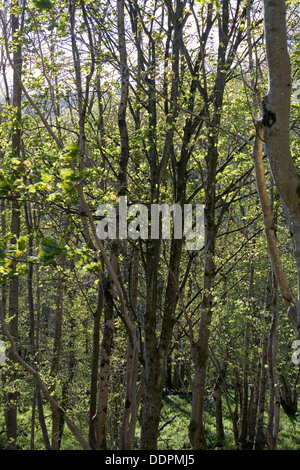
219 411
33 415
13 311
274 398
41 385
42 420
244 433
132 372
95 368
200 347
157 342
260 440
152 360
269 225
243 441
57 422
106 347
11 410
276 116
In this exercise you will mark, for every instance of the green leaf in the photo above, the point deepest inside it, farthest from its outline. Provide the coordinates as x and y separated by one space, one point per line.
67 174
72 151
42 4
46 177
22 243
92 267
50 248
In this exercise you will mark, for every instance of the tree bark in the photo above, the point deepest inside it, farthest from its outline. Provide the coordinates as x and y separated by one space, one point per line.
200 346
132 399
157 342
57 422
95 367
106 347
269 225
260 440
244 432
219 410
276 116
274 398
13 308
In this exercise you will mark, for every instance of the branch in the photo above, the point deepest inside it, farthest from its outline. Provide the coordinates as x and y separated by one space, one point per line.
269 224
166 423
41 385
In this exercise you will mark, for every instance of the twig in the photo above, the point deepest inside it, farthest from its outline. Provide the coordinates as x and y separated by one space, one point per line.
166 423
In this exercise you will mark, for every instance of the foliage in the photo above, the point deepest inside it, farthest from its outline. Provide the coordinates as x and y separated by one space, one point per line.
122 306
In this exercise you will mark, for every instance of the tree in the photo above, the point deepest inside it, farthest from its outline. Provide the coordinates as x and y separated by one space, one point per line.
13 307
227 49
276 123
152 102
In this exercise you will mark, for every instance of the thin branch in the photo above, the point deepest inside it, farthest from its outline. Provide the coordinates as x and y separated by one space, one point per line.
41 385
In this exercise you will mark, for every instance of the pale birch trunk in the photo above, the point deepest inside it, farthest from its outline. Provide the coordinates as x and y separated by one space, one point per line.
269 225
276 115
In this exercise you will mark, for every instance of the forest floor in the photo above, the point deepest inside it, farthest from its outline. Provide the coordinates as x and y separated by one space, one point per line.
174 424
174 436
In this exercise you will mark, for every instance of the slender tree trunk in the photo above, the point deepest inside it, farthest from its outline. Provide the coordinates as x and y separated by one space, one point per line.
57 422
244 433
42 420
269 225
33 415
133 350
131 400
200 346
152 360
254 405
157 342
39 397
95 368
108 333
274 398
233 412
32 328
219 411
35 348
260 441
156 348
13 308
41 385
243 443
106 347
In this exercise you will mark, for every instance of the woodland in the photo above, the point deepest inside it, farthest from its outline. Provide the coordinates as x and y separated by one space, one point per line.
138 343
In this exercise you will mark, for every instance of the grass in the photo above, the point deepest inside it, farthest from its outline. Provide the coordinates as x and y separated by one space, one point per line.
174 436
175 417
